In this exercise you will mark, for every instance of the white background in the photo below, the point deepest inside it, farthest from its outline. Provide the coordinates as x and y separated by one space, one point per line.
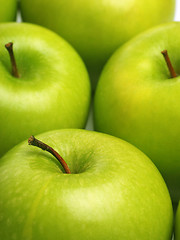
177 13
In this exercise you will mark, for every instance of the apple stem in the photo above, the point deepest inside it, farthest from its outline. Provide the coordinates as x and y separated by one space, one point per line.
35 142
168 62
9 47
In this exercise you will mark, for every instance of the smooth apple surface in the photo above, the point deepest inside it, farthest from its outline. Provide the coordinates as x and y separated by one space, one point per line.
8 10
113 192
138 101
97 28
177 224
53 90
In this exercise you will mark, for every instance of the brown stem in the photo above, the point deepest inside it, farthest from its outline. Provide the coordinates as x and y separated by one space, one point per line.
9 47
35 142
168 62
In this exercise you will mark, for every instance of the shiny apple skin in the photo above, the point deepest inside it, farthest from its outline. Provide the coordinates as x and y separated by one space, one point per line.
138 101
114 192
53 90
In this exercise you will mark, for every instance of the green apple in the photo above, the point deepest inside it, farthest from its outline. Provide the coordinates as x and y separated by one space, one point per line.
137 100
8 10
177 224
113 192
97 28
53 90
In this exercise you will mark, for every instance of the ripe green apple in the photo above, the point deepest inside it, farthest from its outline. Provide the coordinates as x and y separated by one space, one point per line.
53 90
113 192
137 100
177 224
97 28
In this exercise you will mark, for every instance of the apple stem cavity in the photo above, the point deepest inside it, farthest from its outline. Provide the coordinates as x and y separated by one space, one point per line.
168 62
35 142
9 47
